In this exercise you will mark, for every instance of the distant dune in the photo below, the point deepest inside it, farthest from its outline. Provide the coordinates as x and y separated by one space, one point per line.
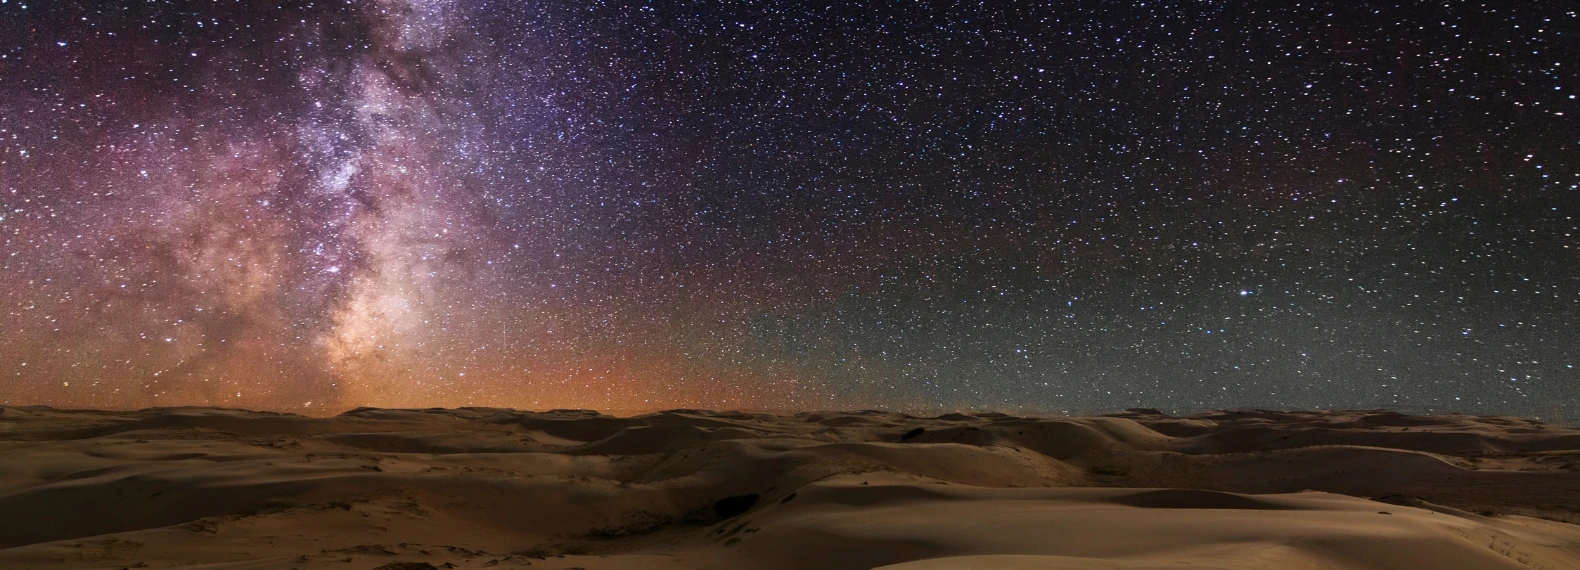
496 488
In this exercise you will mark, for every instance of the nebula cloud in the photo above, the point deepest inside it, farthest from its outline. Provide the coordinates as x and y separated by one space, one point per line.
631 207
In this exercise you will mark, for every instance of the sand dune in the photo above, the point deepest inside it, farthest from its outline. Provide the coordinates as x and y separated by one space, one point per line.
496 488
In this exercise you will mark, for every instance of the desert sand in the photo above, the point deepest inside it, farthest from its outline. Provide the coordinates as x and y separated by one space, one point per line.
496 488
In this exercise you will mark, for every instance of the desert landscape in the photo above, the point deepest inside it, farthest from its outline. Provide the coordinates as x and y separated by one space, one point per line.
498 488
467 284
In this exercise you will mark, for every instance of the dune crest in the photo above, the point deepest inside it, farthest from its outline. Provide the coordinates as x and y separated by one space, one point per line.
498 488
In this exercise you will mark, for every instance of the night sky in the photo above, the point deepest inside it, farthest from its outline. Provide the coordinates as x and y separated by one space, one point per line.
1080 206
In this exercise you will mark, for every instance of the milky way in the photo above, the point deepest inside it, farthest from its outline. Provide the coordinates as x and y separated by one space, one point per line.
630 207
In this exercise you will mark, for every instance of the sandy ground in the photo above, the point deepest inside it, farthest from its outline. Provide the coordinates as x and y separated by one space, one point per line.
493 488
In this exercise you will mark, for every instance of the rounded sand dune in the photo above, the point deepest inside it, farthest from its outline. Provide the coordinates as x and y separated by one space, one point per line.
496 488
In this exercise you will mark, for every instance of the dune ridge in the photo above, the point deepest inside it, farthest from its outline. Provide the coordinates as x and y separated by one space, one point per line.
500 488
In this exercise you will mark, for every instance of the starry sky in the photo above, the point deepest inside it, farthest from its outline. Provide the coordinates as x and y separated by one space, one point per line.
1035 207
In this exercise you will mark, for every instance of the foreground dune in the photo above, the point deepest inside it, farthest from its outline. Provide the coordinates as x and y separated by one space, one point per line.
475 487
